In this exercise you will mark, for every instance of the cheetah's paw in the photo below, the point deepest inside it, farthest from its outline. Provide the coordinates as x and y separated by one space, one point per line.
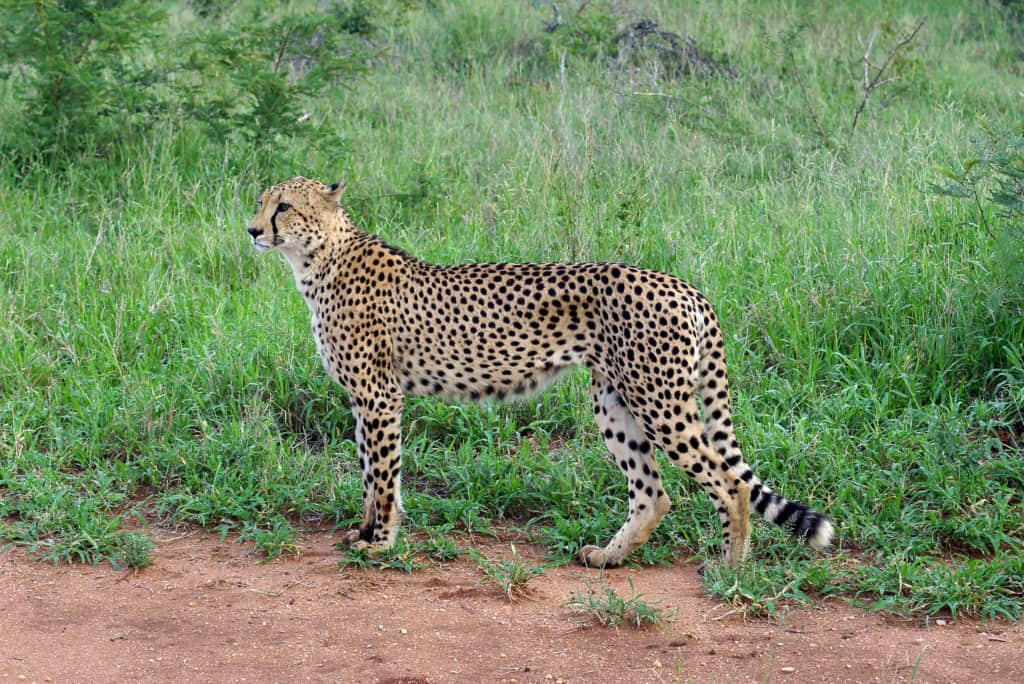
351 538
371 548
591 556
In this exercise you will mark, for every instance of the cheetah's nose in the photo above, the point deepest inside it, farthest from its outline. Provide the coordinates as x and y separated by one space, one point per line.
255 232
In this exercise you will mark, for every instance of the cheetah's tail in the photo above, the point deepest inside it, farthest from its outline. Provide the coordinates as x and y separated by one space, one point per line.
799 519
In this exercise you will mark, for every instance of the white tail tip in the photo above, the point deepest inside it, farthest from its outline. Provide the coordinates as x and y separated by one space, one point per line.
822 536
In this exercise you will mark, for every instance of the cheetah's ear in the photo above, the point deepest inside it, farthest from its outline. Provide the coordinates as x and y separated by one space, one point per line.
335 191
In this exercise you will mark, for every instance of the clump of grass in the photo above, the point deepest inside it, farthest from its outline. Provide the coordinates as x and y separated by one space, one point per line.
761 589
402 556
990 589
442 547
135 550
513 575
277 539
612 610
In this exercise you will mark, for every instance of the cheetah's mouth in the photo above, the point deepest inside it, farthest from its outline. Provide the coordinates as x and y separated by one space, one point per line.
263 246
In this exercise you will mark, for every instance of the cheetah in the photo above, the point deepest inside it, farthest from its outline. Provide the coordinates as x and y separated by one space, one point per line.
388 325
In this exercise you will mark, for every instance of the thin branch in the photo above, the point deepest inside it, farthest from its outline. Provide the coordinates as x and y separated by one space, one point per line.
809 104
871 83
85 49
981 210
550 28
867 59
284 48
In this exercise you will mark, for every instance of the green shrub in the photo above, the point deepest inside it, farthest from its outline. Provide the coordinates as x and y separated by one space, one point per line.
77 72
586 33
85 77
251 78
513 575
990 179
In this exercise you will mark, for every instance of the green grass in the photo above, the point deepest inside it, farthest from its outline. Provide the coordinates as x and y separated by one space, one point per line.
612 610
153 366
404 556
513 576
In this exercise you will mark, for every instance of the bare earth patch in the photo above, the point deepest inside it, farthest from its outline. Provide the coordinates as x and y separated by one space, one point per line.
209 611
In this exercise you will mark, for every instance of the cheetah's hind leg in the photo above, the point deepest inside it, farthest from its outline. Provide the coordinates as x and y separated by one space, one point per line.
634 454
739 525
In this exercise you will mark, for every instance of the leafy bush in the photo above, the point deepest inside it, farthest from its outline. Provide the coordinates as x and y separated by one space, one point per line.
991 180
77 73
86 76
586 33
262 70
513 575
991 177
135 550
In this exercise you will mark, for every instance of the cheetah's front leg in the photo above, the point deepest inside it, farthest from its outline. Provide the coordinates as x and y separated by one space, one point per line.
379 439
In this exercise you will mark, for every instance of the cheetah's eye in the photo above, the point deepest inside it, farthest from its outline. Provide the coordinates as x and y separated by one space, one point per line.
283 207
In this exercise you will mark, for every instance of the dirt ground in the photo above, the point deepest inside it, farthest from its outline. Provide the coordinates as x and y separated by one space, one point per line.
208 611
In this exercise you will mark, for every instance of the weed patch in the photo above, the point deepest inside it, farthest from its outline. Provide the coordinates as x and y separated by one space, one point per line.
611 610
513 576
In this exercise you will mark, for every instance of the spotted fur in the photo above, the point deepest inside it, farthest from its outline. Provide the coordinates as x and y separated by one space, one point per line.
388 325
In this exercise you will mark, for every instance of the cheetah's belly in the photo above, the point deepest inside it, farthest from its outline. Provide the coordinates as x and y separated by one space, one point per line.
461 374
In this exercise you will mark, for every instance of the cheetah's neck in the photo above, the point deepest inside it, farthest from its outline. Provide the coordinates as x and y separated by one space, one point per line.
319 264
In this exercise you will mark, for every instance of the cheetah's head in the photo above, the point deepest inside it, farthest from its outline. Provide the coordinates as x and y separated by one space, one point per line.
295 216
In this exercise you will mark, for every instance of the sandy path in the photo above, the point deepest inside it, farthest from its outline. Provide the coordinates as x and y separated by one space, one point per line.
209 611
